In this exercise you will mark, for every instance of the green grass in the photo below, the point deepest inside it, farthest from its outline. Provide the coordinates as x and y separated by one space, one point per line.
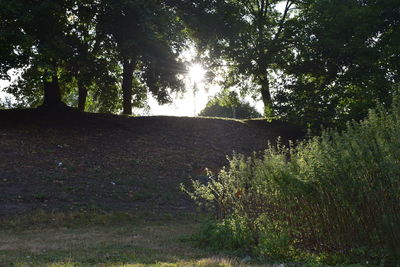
104 239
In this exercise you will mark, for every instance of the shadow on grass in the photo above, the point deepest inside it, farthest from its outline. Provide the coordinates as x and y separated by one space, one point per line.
97 239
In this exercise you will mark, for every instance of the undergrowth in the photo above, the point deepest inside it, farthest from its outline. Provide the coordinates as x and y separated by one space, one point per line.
332 199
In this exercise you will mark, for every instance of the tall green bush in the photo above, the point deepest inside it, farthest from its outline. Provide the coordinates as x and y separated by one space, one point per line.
338 193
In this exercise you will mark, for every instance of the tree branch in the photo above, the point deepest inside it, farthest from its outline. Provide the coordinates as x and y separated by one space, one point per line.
249 5
267 4
289 3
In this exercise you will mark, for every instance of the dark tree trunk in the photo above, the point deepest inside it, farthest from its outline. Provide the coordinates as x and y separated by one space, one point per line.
266 98
82 95
264 81
128 66
52 94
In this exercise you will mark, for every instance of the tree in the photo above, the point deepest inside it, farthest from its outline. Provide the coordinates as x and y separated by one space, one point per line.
93 67
33 39
79 49
347 60
247 36
228 105
53 46
148 38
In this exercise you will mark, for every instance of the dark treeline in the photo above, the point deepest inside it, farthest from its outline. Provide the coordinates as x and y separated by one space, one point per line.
313 62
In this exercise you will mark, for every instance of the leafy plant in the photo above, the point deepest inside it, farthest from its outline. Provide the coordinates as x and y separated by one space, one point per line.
227 104
333 194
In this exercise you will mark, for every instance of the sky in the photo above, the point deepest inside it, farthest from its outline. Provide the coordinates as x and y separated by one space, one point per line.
188 104
3 94
185 104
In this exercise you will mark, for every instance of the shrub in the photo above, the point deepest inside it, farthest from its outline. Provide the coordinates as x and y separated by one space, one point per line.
227 104
334 194
242 111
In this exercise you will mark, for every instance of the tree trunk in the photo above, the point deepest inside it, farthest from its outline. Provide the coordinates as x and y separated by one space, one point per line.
128 66
266 98
82 95
52 94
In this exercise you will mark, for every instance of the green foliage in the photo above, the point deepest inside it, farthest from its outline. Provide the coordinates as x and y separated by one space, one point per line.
81 47
54 39
246 37
337 194
315 62
228 235
346 61
147 37
228 105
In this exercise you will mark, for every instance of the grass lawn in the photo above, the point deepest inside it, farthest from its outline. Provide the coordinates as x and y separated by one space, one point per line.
96 239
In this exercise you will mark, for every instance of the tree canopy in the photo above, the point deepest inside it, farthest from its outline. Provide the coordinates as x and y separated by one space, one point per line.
148 38
68 46
312 62
346 61
245 36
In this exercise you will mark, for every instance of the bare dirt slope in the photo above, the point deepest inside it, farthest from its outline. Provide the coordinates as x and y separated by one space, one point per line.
82 161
